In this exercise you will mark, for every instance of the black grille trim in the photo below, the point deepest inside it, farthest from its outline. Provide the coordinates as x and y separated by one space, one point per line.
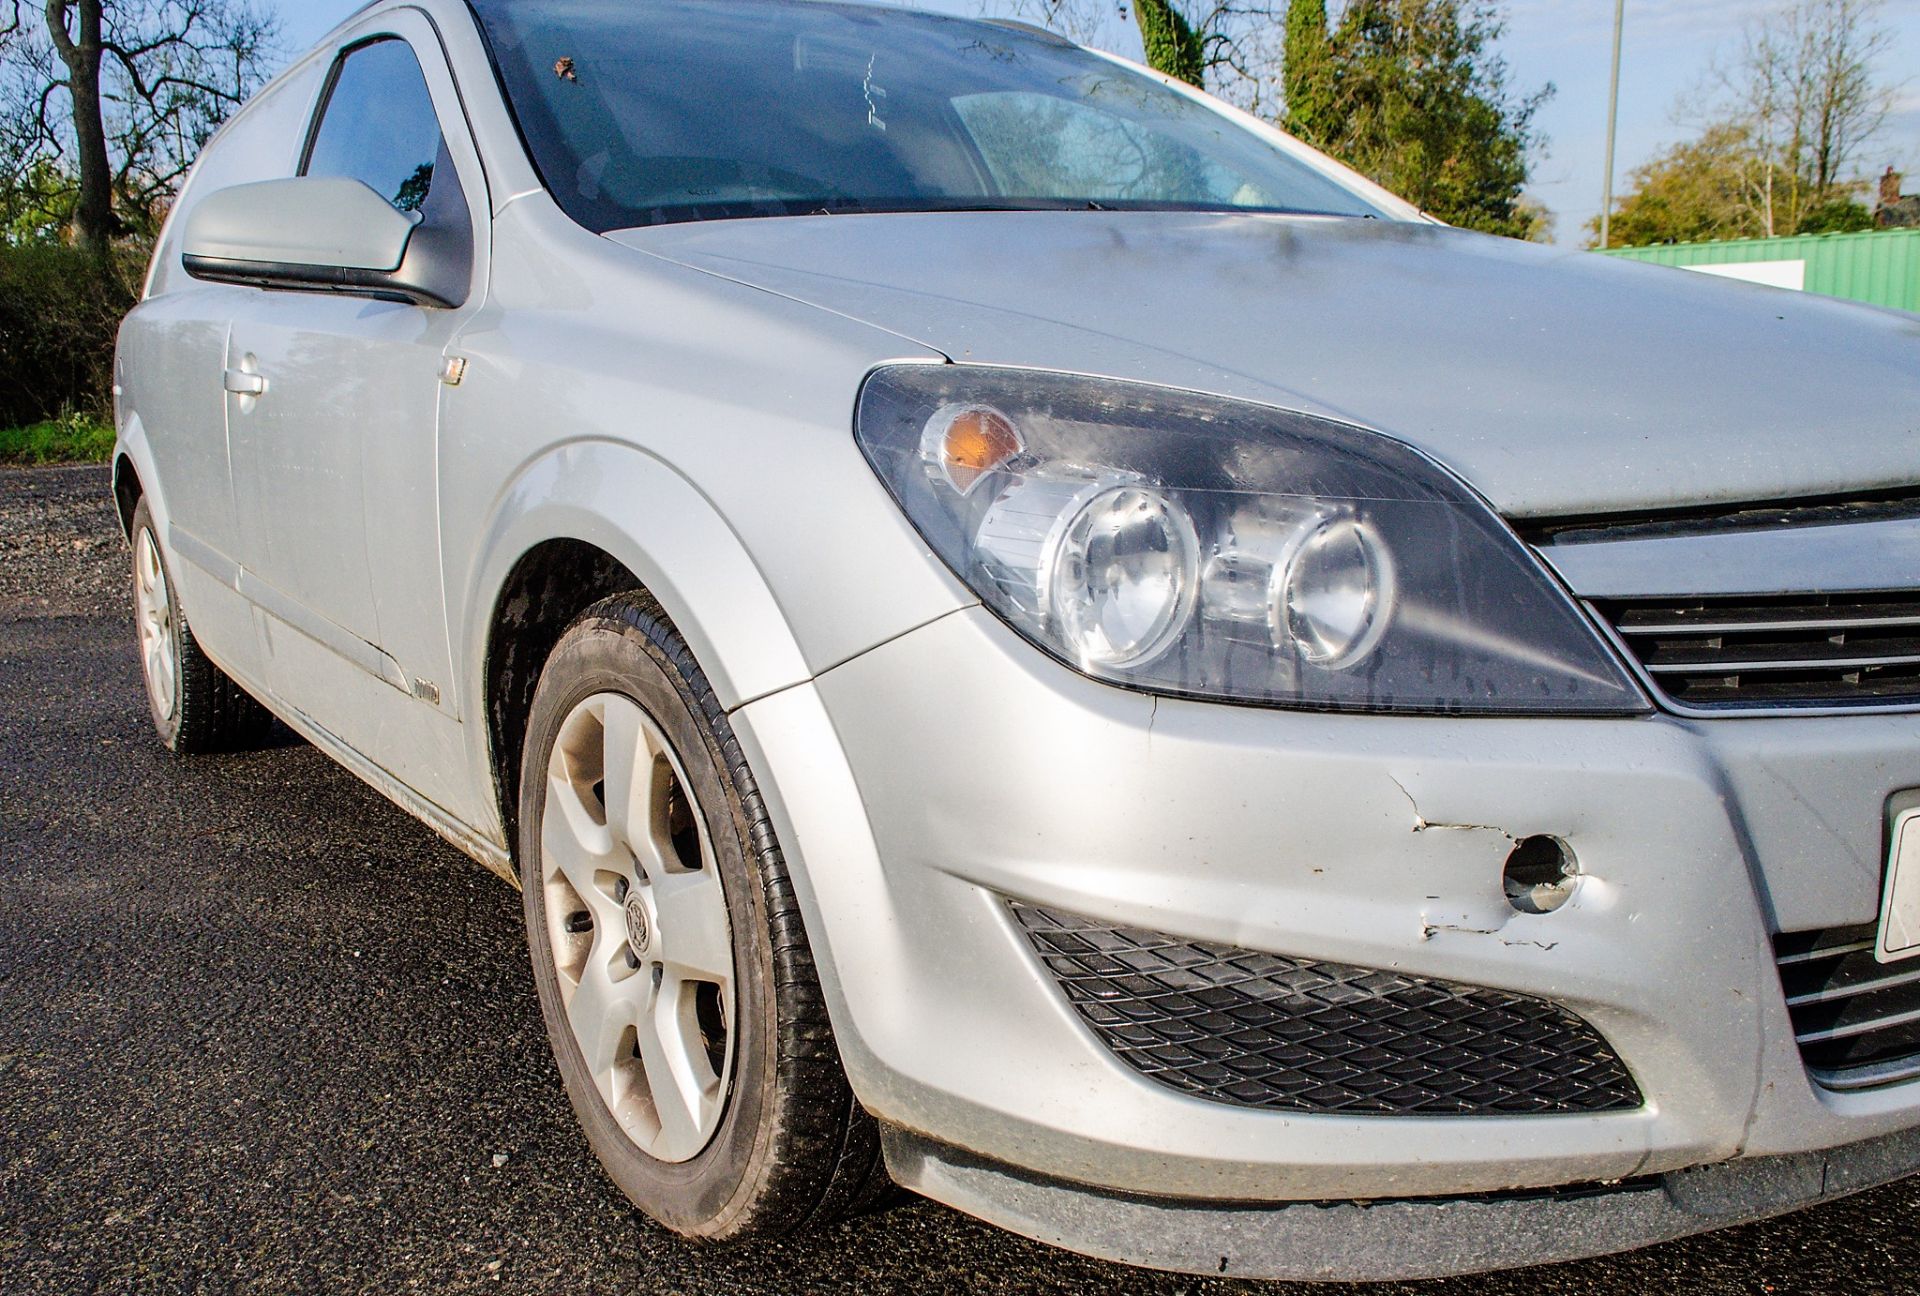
1778 652
1857 1020
1261 1030
1717 519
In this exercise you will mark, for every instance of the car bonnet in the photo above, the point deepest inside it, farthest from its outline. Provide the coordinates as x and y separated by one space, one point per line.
1556 382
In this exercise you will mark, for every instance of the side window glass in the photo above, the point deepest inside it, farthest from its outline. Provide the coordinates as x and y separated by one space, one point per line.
378 125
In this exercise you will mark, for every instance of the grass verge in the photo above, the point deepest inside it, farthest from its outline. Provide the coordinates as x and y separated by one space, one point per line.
74 438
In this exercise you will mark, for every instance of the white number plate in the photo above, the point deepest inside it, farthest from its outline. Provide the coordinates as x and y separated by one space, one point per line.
1900 909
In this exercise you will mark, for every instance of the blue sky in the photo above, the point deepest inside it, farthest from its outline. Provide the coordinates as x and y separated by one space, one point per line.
1669 46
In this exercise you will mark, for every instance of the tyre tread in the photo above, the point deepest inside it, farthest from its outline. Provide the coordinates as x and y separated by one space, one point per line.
825 1155
215 714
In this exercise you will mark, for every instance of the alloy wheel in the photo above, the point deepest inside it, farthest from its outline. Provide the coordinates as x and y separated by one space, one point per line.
638 927
153 610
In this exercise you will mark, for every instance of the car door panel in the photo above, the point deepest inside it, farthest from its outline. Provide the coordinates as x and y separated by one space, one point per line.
173 348
297 468
336 457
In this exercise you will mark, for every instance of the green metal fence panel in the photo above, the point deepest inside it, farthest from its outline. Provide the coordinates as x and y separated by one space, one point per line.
1881 267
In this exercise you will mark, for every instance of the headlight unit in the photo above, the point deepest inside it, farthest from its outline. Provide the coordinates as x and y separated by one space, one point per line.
1189 544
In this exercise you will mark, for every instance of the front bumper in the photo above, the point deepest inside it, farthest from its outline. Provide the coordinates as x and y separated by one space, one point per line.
922 784
1381 1241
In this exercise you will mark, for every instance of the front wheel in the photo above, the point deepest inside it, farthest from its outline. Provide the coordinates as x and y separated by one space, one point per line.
673 970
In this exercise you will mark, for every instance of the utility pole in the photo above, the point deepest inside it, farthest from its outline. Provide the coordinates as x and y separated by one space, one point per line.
1613 123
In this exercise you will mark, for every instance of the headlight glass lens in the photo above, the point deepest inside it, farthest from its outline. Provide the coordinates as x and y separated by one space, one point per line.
1124 577
1338 594
1194 545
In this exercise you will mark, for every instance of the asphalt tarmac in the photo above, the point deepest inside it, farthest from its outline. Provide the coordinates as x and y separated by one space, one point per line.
259 1031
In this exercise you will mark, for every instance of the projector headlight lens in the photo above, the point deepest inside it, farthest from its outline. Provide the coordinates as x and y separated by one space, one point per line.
1124 577
1337 594
1109 563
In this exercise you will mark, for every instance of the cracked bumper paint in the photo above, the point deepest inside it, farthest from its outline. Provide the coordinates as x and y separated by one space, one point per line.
960 767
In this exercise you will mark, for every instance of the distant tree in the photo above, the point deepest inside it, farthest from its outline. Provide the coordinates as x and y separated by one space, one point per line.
1836 216
35 197
1307 77
1803 84
1539 219
1414 94
1172 45
36 202
116 97
1713 187
1786 122
1224 46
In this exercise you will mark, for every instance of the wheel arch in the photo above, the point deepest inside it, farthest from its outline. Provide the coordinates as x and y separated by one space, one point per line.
134 478
585 520
127 491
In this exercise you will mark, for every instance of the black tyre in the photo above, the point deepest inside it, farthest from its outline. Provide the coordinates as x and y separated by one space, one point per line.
673 969
195 707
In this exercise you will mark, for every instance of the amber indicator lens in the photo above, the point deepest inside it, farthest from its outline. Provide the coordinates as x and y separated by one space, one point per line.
966 442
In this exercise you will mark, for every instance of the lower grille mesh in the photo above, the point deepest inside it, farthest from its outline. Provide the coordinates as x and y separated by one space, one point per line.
1259 1030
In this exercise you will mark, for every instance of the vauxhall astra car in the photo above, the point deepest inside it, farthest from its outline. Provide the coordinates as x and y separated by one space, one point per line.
1025 636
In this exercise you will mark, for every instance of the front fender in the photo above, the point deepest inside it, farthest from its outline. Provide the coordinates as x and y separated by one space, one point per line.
132 456
653 521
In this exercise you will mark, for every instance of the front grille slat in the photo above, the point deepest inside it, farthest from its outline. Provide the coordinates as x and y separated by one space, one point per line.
1848 989
1814 955
1897 1043
1885 999
1261 1030
1857 1020
1777 651
1725 665
1851 1030
1765 627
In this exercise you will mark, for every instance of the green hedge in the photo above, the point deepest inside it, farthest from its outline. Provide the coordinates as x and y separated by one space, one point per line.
60 310
77 438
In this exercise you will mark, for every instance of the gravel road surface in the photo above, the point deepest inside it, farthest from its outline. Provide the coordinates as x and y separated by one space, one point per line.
261 1032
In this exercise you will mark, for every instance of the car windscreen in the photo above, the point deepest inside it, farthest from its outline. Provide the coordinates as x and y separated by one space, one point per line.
680 110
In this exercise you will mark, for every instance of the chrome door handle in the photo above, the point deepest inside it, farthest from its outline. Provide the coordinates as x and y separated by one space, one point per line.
242 383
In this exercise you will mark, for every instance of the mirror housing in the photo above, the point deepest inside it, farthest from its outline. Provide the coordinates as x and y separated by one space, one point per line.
319 234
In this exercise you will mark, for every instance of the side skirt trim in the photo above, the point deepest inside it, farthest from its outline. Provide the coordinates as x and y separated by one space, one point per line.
490 854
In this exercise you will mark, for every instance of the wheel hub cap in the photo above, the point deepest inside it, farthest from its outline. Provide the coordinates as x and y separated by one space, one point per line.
637 925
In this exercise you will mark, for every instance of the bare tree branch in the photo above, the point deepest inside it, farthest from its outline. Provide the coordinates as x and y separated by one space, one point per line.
117 96
1238 51
1803 85
148 90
